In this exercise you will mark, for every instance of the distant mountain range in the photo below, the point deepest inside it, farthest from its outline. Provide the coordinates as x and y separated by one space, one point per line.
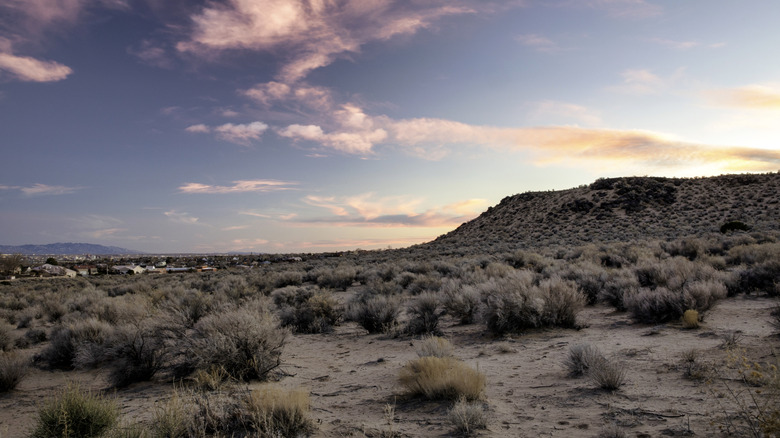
64 249
619 210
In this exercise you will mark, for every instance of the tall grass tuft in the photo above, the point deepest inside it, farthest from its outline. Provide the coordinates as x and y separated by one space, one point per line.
442 378
75 413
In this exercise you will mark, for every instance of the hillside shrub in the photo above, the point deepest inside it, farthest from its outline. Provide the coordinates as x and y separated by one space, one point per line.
762 277
460 300
75 413
309 310
339 278
655 306
375 313
424 314
437 378
13 368
85 338
619 284
136 354
245 342
734 226
6 337
514 304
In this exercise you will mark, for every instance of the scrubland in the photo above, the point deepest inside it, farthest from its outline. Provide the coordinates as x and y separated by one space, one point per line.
641 338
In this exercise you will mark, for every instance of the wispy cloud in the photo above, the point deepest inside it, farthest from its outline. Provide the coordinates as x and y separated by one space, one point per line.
369 210
242 134
181 217
313 34
264 215
640 82
538 43
152 53
242 186
633 9
42 189
25 68
755 96
550 108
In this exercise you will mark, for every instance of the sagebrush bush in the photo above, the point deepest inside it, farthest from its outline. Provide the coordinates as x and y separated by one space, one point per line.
442 378
75 413
433 346
339 278
424 314
13 368
375 313
655 306
460 301
136 353
619 284
6 337
246 342
276 412
581 358
307 309
514 304
468 417
85 339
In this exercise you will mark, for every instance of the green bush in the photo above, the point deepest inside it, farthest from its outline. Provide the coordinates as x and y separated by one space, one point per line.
75 413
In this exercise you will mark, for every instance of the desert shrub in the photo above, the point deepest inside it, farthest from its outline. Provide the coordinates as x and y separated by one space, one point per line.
514 304
655 306
424 315
589 277
75 413
468 417
31 337
702 295
442 378
85 338
689 247
246 342
310 312
612 430
606 374
380 287
13 368
340 278
375 313
287 278
276 412
761 277
690 319
734 226
498 270
136 353
424 283
581 358
618 285
189 306
460 300
6 337
434 346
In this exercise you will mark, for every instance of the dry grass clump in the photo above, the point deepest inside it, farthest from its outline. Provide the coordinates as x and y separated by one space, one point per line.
442 378
581 358
606 374
75 413
274 412
690 319
468 417
434 346
375 313
13 368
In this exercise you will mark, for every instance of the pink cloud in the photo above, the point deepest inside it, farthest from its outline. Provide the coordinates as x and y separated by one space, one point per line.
313 33
44 189
244 186
754 96
25 68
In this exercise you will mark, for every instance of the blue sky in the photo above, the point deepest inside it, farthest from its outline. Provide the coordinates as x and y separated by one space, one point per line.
319 125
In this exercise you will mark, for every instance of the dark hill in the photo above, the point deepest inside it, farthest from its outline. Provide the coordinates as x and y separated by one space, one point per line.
64 249
620 209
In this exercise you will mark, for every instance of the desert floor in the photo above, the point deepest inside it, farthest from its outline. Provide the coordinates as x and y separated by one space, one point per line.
353 378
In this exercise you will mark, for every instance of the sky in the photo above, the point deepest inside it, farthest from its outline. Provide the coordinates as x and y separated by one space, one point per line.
324 125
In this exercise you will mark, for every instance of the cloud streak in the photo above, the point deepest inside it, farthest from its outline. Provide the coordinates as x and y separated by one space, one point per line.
755 96
242 134
27 69
312 33
242 186
42 189
368 210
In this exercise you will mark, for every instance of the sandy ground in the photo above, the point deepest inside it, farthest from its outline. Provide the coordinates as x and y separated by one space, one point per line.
353 376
